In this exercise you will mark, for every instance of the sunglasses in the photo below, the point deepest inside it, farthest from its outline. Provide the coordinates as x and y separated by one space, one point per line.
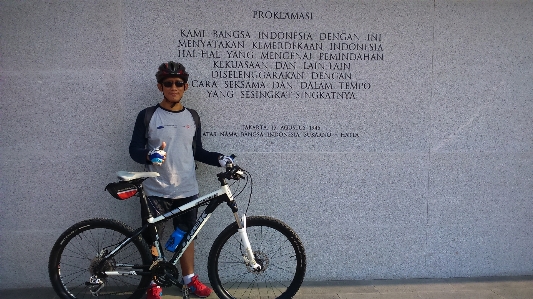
170 83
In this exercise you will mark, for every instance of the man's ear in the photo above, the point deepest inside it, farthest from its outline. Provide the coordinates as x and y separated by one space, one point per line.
186 86
160 87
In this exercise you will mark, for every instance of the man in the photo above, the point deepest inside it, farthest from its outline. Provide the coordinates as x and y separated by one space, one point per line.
169 146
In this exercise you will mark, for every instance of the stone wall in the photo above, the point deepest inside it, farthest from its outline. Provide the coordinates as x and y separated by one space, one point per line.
395 137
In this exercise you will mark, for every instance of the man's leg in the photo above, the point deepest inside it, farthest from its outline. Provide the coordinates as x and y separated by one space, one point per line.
187 260
189 278
186 222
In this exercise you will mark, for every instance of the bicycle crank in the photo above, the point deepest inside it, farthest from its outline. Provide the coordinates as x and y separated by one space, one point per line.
165 274
185 291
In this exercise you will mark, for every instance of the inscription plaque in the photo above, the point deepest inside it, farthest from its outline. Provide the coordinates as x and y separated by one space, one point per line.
265 65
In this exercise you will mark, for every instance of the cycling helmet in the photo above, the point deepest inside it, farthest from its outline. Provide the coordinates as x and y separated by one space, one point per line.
171 69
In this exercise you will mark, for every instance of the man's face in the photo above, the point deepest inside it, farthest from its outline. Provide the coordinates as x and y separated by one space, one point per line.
173 89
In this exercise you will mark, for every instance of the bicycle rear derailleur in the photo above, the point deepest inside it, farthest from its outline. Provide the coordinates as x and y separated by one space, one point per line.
97 267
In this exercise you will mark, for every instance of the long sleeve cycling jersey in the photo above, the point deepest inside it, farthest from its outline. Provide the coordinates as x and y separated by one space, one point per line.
182 134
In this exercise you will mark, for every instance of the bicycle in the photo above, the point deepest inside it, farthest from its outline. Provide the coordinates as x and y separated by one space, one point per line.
106 258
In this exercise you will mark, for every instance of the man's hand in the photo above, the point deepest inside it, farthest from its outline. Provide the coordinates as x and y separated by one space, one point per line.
225 160
157 156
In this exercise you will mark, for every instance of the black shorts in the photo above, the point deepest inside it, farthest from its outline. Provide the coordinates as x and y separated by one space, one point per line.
159 206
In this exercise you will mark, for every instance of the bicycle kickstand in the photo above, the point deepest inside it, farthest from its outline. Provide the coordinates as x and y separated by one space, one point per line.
185 291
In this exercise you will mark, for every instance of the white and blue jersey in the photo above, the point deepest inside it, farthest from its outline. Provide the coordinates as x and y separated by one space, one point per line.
183 145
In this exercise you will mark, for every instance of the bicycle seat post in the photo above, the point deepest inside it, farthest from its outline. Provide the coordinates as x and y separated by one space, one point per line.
144 201
152 229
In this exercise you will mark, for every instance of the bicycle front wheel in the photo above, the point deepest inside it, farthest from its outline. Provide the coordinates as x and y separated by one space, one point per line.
75 265
276 248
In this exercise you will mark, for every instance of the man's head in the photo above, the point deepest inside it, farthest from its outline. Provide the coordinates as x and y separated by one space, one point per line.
172 82
171 69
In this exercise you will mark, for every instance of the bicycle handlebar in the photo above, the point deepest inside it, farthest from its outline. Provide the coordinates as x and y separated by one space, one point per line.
233 172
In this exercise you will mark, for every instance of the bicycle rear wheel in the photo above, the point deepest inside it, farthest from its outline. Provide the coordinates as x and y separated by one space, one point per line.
276 248
76 257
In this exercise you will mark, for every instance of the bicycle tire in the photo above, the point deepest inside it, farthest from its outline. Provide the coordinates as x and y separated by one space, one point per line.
276 246
75 255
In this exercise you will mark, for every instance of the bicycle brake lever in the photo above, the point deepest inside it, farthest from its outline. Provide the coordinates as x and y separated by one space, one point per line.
236 173
239 174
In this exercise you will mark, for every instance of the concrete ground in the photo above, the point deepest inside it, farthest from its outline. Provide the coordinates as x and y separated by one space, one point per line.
515 287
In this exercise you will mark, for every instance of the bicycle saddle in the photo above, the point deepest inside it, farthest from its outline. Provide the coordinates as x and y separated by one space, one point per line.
128 176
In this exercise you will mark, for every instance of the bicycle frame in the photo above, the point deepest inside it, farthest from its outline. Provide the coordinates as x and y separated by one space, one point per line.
212 200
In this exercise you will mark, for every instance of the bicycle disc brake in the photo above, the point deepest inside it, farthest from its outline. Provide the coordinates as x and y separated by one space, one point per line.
261 259
165 273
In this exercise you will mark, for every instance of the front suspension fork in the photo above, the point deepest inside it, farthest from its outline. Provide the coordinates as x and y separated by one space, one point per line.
249 258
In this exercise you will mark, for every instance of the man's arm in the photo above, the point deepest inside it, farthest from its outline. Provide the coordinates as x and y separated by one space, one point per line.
202 155
138 150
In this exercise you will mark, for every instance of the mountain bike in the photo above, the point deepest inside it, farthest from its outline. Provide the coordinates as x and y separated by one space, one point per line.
254 257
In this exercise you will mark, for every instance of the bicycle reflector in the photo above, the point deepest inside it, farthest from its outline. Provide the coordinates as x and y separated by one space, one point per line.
121 190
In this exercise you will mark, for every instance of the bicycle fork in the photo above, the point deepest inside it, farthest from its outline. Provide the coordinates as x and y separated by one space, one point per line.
249 258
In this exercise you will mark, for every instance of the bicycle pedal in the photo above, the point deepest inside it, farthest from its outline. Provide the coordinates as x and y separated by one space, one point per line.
185 291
